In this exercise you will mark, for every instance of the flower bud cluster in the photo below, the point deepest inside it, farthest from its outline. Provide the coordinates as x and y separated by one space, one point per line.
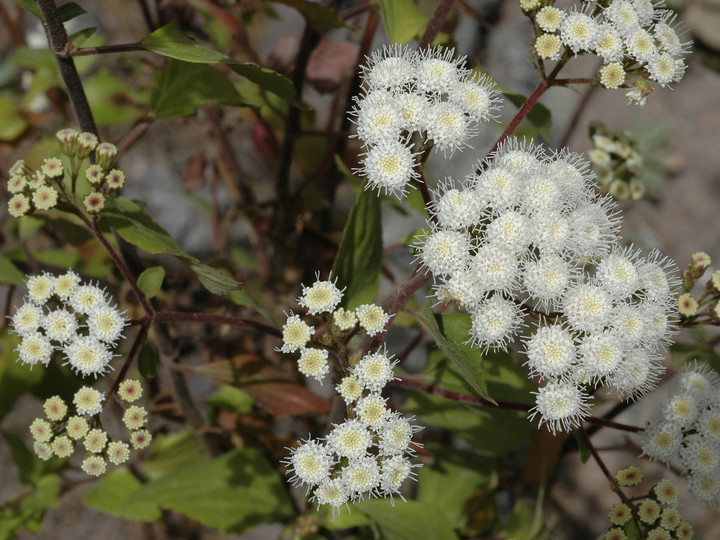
405 92
687 429
33 190
62 314
66 427
618 165
636 40
528 236
708 304
654 515
367 454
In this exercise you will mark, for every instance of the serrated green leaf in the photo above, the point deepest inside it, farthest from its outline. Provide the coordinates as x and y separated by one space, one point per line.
81 36
539 116
111 493
179 88
359 258
171 42
70 10
214 280
9 273
403 20
232 493
407 520
231 399
147 361
316 14
465 359
151 280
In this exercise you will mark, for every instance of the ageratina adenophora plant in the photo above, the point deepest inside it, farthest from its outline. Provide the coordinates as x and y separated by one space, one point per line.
219 321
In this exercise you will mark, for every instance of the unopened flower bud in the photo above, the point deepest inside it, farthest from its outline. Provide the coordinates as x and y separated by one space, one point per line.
67 138
619 189
714 282
86 143
105 154
20 168
637 189
687 280
699 263
94 203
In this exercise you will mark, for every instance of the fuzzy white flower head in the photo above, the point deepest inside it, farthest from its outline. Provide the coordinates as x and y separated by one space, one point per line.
600 353
389 166
106 323
668 37
664 69
546 279
27 319
495 322
548 47
413 110
499 187
511 229
320 297
618 273
394 471
86 298
594 227
396 436
375 370
477 97
561 405
40 288
658 277
35 348
378 119
77 427
313 363
60 325
296 333
641 46
361 476
709 423
88 356
495 268
390 68
445 252
448 127
659 325
587 307
704 488
551 352
637 375
700 455
463 288
344 319
542 194
350 389
65 284
88 401
681 409
333 492
372 410
457 208
623 16
371 318
550 232
550 18
701 382
629 323
578 31
351 439
310 463
437 71
519 158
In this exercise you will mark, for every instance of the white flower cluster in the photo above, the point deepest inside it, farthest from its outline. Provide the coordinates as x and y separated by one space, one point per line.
62 314
427 92
529 236
688 430
365 455
61 431
632 37
318 299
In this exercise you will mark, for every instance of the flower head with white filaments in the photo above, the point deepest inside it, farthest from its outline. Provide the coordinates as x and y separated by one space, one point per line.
429 93
541 239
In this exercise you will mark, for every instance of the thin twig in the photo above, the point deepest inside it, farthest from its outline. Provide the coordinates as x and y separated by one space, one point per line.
139 339
164 317
579 110
435 23
613 481
104 49
600 421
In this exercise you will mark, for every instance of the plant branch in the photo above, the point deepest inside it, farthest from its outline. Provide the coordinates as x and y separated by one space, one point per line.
139 339
600 421
435 23
613 481
415 384
579 110
163 317
104 49
59 45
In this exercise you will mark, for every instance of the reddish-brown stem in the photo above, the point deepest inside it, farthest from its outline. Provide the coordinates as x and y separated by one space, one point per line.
578 80
139 339
575 120
120 263
164 317
134 134
435 23
105 49
600 421
613 481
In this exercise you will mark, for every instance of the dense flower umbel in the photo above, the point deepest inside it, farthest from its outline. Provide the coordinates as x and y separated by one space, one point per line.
529 233
366 455
688 430
635 39
407 92
61 314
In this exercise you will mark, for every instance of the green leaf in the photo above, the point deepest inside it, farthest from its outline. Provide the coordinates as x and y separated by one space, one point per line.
31 7
342 520
214 280
179 88
15 378
403 20
267 79
539 116
147 361
449 331
231 399
452 479
110 495
112 101
171 42
232 493
29 511
9 273
151 280
172 451
29 225
359 258
409 520
58 257
81 36
69 11
12 122
26 461
316 14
